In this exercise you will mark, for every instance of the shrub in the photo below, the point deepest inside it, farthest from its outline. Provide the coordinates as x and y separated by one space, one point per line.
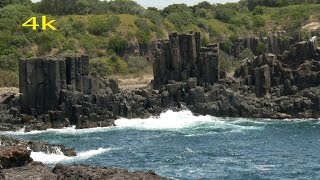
9 63
228 63
204 41
118 45
261 48
142 24
175 8
247 53
8 24
71 45
181 19
224 14
9 79
101 26
137 64
108 66
258 21
154 16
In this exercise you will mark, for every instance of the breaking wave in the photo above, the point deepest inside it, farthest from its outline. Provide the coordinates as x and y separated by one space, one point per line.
56 158
186 120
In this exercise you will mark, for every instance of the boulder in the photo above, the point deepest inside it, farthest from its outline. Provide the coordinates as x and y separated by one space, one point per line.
14 156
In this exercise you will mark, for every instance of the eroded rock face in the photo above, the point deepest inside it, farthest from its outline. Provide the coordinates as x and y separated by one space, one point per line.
82 172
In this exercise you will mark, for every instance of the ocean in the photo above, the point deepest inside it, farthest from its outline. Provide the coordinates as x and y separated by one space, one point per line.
179 145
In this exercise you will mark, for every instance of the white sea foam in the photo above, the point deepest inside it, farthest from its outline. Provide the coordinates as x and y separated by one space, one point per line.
179 120
56 158
166 121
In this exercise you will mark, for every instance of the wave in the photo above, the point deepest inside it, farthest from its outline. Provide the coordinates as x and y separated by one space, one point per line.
56 158
167 120
186 120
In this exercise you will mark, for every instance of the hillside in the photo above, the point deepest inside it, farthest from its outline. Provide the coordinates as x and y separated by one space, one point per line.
117 35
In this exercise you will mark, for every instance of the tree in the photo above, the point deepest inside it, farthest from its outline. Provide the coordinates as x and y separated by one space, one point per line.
175 8
4 3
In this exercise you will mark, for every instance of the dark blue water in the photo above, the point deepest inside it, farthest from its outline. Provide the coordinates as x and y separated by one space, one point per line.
182 146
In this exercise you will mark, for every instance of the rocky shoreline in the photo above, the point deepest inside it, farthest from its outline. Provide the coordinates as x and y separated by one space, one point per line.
60 92
16 164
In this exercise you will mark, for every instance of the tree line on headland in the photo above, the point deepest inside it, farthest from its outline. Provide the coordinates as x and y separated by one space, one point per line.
116 34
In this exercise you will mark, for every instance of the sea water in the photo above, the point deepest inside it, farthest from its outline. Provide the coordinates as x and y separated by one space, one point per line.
179 145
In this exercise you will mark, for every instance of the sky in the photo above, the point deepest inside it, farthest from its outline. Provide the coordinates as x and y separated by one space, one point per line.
164 3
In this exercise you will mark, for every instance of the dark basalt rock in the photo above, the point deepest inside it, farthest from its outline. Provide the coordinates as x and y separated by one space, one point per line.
276 43
83 172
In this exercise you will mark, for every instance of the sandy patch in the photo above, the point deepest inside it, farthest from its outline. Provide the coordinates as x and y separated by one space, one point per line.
133 82
312 26
5 90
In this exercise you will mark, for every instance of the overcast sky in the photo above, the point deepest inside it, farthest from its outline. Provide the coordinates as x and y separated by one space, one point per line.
165 3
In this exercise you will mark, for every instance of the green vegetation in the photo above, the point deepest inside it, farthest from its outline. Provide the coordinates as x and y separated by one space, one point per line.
111 31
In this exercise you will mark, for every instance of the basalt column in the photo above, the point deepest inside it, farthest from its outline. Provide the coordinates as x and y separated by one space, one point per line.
180 58
41 81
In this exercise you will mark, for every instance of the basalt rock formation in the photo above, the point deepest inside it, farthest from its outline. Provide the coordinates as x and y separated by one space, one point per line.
276 44
298 68
181 58
59 92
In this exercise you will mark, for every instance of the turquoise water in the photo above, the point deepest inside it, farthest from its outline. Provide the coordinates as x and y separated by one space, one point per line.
179 145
